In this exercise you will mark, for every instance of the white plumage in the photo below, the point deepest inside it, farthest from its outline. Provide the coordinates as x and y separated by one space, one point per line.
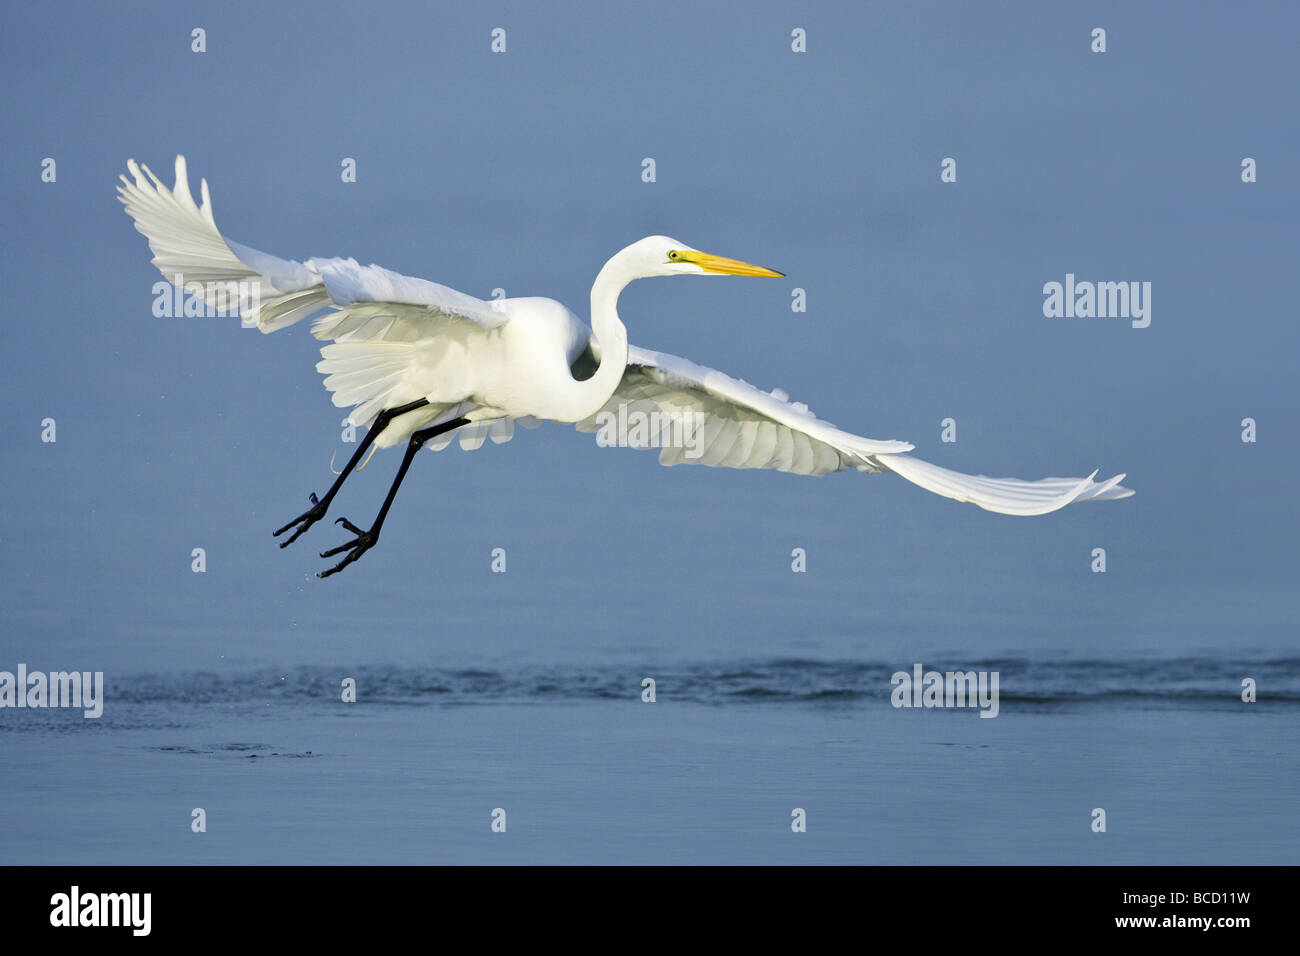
396 340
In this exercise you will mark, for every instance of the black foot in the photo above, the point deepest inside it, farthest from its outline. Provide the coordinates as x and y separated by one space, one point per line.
306 519
363 542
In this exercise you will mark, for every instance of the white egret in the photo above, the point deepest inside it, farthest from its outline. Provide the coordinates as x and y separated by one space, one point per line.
416 361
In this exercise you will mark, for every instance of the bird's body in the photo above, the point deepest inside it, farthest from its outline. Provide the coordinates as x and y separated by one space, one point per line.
420 363
457 364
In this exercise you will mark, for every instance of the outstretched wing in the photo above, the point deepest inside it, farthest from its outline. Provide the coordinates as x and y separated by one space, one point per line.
698 415
189 251
380 321
188 248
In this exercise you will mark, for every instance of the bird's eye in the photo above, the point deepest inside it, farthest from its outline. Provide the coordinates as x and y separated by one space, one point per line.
672 253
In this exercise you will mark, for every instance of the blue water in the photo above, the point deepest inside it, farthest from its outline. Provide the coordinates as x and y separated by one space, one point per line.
522 690
709 772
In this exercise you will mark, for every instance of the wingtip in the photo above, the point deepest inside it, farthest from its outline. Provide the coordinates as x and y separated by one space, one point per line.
1120 491
1109 490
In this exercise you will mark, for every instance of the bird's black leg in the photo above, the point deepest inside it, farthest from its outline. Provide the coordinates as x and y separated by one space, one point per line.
320 506
365 540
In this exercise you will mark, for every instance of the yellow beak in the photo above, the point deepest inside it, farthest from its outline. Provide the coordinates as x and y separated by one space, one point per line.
719 265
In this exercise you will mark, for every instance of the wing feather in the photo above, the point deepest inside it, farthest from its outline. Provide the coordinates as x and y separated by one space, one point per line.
745 427
736 425
274 292
374 316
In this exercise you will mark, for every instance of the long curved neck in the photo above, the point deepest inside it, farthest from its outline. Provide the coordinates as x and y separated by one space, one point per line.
581 399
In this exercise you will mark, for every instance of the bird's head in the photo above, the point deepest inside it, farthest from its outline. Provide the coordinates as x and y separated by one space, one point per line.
663 256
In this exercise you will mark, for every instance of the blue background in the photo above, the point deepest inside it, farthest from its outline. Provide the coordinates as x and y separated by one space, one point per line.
924 301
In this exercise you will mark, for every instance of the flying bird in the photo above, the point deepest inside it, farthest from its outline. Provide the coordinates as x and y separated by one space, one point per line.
421 363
